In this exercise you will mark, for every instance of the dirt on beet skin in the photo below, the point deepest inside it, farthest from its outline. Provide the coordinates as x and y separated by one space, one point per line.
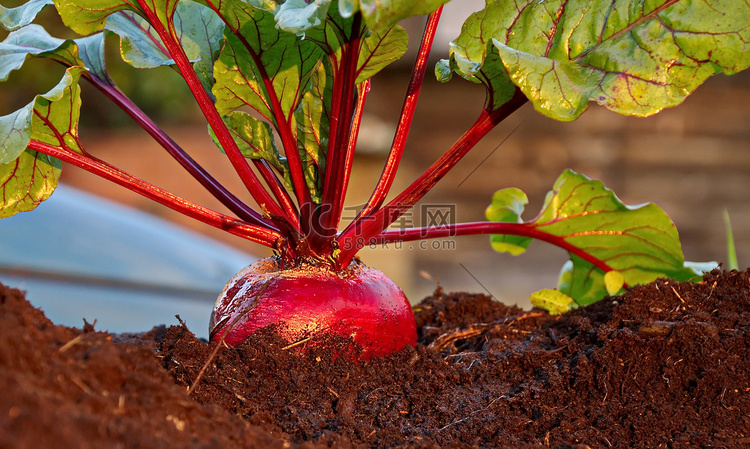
664 365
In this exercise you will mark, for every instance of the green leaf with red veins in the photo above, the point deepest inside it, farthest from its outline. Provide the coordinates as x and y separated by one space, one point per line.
140 46
28 178
313 115
202 30
331 34
91 53
378 49
198 29
34 41
260 51
89 16
29 41
640 242
50 118
164 9
27 181
630 56
14 18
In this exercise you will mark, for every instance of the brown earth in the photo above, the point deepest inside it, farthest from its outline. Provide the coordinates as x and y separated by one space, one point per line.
665 365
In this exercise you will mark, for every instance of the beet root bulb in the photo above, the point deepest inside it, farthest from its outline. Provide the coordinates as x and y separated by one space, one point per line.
358 302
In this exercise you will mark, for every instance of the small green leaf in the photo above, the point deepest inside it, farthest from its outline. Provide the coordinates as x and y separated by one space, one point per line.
254 138
91 54
553 301
581 280
632 57
506 207
297 16
15 18
613 281
27 181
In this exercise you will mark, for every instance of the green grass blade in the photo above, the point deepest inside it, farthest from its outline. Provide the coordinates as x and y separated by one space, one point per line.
731 250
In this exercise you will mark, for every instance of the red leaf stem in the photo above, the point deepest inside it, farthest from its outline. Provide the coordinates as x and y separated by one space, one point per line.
357 236
362 92
284 128
487 227
282 124
258 234
340 152
238 161
220 192
407 115
279 192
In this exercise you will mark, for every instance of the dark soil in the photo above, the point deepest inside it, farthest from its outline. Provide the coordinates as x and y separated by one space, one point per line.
665 365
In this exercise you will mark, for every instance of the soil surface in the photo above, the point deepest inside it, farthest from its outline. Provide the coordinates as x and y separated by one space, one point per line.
664 365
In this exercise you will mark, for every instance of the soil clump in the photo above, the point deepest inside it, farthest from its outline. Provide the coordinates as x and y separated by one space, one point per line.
664 365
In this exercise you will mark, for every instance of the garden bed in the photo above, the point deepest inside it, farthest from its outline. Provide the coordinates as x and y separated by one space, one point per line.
664 365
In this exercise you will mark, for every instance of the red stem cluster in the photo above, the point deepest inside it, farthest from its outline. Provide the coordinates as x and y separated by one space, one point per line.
305 230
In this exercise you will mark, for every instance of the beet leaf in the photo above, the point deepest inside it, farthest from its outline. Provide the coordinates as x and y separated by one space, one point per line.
26 177
634 58
602 235
14 18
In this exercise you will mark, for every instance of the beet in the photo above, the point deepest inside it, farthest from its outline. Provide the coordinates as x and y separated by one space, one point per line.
359 303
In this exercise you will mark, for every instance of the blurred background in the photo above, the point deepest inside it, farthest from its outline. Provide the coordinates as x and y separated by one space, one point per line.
693 161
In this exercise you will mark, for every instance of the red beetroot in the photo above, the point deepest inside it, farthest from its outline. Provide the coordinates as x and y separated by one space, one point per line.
358 302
